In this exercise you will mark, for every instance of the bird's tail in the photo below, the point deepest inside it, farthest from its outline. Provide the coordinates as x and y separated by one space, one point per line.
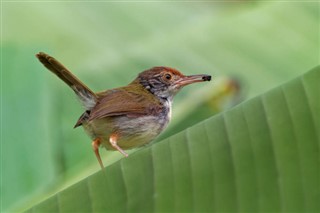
86 96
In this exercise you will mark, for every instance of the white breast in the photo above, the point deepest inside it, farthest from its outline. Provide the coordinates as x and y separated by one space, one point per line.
168 104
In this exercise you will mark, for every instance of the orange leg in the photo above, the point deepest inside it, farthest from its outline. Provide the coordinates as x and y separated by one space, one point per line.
113 141
95 146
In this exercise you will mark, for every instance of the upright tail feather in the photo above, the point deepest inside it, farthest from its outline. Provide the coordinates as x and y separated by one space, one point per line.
86 96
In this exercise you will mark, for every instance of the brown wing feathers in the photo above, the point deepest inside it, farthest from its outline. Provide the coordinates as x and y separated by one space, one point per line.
121 102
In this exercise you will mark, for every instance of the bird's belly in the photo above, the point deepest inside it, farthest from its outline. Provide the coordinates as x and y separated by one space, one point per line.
132 132
139 131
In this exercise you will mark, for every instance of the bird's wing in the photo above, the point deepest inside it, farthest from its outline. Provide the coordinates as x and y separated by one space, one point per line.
123 102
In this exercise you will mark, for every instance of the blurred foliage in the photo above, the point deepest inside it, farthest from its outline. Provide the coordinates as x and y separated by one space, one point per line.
260 156
106 44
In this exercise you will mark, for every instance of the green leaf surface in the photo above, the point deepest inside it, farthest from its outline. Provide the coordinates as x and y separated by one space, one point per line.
260 156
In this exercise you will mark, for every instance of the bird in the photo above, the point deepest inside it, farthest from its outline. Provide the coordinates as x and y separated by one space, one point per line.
126 117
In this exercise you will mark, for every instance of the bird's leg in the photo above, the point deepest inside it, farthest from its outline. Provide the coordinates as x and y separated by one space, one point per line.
113 141
95 146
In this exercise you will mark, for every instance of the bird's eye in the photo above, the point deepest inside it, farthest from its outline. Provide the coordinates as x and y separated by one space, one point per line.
168 76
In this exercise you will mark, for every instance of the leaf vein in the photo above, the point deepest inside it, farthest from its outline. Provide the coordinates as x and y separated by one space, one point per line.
262 98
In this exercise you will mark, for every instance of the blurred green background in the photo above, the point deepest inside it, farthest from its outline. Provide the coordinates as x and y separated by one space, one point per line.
248 47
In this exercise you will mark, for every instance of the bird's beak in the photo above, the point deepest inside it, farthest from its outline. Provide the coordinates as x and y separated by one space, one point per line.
183 81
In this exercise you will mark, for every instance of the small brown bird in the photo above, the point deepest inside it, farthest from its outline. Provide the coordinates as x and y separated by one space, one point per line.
126 117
